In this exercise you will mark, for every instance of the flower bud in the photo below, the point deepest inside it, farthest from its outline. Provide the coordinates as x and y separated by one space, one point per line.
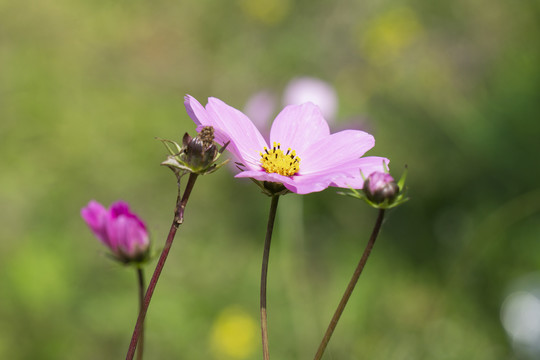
200 151
122 231
380 187
196 155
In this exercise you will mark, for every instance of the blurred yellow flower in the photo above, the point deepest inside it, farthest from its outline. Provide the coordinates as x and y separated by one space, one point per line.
234 334
387 35
266 11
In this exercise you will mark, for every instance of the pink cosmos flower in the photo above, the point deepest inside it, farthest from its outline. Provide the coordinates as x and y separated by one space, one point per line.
119 229
304 156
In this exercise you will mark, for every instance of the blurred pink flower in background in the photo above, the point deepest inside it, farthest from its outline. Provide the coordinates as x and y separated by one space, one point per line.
260 108
122 231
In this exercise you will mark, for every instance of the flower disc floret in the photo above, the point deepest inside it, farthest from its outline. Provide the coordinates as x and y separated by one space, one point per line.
275 161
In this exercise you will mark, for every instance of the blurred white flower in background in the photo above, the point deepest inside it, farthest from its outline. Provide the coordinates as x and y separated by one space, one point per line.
520 316
263 105
303 89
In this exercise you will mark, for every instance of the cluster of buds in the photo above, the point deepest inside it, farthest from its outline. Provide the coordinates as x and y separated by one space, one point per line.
381 191
122 231
196 155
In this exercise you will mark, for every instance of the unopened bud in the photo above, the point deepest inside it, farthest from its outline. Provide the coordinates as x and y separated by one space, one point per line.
380 187
122 231
200 151
196 155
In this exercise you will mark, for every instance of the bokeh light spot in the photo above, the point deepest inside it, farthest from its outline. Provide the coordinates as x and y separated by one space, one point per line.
266 11
234 334
388 35
520 316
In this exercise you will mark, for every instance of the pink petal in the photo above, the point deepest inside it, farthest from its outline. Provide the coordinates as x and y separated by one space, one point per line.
309 184
196 111
296 184
241 131
126 236
135 238
344 175
95 215
230 125
119 208
116 232
336 149
351 175
298 126
262 175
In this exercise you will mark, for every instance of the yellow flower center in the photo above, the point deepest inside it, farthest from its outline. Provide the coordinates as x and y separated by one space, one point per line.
275 161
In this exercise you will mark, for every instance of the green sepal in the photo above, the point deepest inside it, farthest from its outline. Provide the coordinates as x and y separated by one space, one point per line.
401 182
138 262
173 151
271 188
181 161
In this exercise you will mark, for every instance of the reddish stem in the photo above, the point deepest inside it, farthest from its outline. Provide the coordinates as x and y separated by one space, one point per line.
177 221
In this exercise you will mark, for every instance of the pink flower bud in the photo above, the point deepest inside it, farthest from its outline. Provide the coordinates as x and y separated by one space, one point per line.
380 186
119 229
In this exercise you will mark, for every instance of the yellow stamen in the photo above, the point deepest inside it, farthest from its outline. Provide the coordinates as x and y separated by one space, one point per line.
275 161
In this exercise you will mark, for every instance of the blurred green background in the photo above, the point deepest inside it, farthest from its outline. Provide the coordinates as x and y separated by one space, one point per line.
449 88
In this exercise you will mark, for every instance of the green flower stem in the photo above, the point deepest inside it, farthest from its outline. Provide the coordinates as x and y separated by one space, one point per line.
140 281
350 287
264 274
177 221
